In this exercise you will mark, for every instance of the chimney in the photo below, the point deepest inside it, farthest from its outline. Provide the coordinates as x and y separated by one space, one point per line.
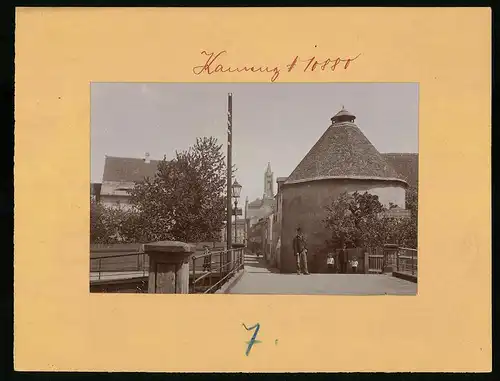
146 158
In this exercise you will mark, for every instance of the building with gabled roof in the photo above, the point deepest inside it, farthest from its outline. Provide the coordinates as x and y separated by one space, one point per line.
121 174
406 165
342 160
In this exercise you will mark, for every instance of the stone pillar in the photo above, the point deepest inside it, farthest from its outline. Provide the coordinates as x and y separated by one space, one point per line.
169 267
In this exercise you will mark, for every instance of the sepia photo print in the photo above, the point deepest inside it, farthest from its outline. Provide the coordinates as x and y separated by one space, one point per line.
254 188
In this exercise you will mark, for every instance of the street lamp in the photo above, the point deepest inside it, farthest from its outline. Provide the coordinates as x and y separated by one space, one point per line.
236 190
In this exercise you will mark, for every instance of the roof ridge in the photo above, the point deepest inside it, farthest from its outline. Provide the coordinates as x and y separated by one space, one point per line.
129 158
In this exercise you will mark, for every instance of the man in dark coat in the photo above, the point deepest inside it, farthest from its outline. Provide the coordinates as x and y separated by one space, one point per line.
300 251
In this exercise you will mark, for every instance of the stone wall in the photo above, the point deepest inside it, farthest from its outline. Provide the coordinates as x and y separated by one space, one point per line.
303 204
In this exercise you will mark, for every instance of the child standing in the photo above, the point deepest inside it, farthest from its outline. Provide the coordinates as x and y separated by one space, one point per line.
354 265
330 261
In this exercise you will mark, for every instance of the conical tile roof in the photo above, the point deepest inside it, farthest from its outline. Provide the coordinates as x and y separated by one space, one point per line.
343 152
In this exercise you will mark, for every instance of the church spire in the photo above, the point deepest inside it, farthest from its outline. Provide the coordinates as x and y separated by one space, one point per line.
268 170
268 182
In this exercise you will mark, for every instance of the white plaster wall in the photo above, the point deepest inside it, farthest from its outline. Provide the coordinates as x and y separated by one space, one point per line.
112 188
112 191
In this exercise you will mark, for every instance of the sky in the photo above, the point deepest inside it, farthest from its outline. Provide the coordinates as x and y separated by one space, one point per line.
272 122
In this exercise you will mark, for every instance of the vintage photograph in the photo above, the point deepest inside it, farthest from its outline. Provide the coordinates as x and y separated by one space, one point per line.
254 188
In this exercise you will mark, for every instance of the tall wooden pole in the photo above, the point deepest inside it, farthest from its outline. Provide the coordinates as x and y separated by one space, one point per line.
235 221
246 223
229 168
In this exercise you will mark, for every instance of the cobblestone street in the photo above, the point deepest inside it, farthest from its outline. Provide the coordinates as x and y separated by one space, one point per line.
258 279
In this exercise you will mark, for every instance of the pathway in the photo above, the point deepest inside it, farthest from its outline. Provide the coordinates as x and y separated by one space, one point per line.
258 279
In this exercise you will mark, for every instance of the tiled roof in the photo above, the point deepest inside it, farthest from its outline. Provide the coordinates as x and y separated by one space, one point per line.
126 169
406 164
343 151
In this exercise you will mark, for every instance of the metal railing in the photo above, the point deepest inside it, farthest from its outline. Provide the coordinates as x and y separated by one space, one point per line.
400 259
109 266
211 270
407 260
375 263
208 272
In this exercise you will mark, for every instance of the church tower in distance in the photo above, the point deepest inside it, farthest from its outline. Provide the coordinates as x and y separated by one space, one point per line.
268 183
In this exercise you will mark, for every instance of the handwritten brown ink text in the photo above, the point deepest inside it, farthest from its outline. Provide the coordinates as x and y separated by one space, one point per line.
214 64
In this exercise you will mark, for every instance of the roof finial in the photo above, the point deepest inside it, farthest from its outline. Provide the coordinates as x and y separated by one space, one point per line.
343 116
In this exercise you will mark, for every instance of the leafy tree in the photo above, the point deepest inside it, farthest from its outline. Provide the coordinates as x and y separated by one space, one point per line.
130 226
105 223
368 220
340 221
98 230
354 220
358 220
412 200
409 227
185 199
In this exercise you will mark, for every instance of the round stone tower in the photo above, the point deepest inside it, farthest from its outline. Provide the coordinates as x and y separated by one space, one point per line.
342 160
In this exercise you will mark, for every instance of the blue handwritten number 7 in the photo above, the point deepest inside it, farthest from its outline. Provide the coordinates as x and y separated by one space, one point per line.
254 336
